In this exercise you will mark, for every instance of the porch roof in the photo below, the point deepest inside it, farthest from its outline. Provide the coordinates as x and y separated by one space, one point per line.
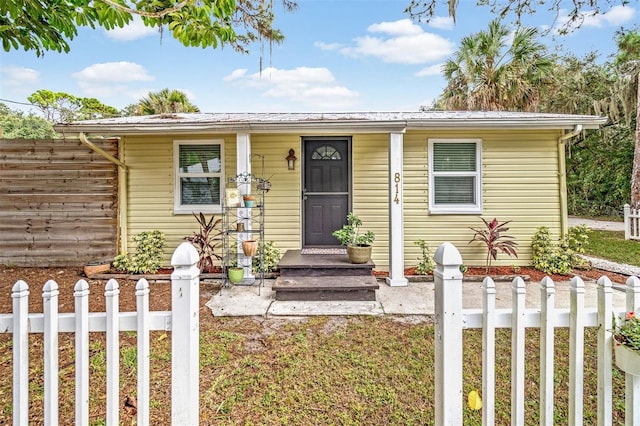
369 122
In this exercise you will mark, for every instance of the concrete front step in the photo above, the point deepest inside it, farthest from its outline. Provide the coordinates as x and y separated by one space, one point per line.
352 288
294 264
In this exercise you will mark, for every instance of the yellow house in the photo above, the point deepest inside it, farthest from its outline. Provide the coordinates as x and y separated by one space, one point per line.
408 176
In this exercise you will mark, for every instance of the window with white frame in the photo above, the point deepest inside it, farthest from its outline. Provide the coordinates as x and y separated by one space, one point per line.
455 176
198 176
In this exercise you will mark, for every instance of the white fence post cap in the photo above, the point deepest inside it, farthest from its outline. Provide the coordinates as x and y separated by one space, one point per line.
448 255
185 255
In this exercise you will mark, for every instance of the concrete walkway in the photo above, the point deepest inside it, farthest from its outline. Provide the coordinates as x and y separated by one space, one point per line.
415 299
602 225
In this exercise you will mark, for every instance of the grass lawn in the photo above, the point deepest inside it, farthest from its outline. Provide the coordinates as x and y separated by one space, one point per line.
611 245
318 370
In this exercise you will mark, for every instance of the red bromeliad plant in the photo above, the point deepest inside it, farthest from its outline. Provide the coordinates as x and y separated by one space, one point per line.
206 241
494 238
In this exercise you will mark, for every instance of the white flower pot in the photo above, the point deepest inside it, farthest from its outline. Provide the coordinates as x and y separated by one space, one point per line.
627 359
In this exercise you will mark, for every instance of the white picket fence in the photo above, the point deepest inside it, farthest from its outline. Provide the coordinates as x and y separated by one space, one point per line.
451 319
182 320
631 223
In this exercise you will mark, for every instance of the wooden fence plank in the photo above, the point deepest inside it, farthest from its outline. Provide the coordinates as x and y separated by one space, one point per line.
56 196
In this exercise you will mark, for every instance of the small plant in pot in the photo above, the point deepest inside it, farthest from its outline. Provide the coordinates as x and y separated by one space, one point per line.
626 337
358 244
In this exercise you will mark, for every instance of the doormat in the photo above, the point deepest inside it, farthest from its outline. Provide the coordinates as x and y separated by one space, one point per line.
319 250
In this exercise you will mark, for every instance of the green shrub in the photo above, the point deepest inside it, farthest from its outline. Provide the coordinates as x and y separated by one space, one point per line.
147 258
270 254
425 261
560 257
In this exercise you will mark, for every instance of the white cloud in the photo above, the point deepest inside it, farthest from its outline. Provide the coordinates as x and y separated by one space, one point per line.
236 75
314 87
134 31
111 79
113 72
430 70
403 27
401 42
14 76
442 22
327 46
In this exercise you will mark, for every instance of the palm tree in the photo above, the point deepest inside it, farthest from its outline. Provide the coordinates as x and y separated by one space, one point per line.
165 102
488 73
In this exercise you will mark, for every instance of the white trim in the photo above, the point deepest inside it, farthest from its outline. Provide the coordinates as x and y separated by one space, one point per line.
396 206
456 208
179 208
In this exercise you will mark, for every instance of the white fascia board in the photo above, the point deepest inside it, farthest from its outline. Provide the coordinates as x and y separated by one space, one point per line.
222 128
523 124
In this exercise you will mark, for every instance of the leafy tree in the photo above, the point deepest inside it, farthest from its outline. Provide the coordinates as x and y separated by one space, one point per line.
491 71
61 107
628 63
579 86
575 9
50 25
165 102
18 125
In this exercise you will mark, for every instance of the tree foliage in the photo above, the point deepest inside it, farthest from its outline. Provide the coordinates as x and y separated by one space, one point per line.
493 71
50 26
61 107
577 10
18 125
165 101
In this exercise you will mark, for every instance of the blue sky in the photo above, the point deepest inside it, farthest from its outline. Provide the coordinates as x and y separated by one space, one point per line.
339 55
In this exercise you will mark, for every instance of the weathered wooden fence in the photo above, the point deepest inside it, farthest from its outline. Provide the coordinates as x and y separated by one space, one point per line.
58 202
631 223
451 319
182 320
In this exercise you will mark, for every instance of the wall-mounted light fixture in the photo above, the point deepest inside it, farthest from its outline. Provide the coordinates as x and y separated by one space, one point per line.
291 160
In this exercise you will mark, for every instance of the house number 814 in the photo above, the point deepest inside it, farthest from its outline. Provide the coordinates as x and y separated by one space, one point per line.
396 179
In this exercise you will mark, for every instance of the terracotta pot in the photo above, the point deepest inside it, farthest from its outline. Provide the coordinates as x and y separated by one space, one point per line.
96 267
250 247
627 359
359 254
235 275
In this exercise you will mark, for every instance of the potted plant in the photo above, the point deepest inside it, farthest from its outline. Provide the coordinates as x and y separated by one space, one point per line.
249 247
249 200
235 274
358 245
626 336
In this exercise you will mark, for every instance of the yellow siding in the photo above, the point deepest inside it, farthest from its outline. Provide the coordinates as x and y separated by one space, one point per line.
520 182
282 202
370 154
150 195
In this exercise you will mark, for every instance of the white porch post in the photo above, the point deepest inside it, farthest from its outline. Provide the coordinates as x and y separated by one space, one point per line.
243 155
396 223
243 165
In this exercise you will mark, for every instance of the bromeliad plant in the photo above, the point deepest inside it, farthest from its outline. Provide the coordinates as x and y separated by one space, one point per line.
627 333
495 240
206 241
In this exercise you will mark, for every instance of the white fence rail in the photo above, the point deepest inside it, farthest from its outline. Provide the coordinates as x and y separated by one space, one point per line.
182 320
631 223
451 319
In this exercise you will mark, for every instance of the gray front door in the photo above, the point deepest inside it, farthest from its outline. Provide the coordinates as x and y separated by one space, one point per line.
326 185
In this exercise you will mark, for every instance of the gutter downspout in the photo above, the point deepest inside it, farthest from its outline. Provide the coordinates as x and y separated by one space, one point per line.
123 185
564 210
